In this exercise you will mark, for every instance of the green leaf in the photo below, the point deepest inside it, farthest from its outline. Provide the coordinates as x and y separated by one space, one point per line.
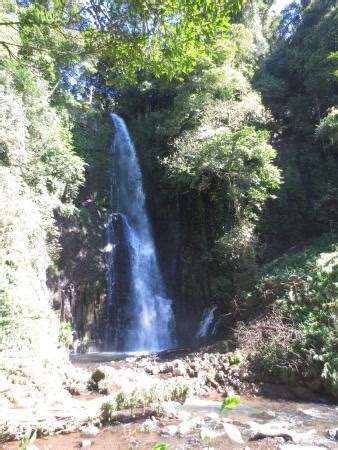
230 402
160 446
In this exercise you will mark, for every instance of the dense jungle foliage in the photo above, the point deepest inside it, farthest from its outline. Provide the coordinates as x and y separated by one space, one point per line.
233 112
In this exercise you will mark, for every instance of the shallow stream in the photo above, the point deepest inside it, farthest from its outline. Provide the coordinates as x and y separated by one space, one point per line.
307 423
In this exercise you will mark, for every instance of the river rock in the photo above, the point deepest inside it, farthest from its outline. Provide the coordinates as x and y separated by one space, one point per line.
333 434
169 430
89 431
270 430
233 433
85 443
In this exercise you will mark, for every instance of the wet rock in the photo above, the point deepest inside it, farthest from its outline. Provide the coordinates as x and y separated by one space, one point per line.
169 430
85 443
270 430
333 434
233 433
266 415
89 431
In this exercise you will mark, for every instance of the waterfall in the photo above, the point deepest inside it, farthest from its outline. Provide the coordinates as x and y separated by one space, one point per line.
207 318
144 320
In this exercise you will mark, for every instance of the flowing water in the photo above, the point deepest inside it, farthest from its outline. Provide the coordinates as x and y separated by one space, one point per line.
144 321
207 318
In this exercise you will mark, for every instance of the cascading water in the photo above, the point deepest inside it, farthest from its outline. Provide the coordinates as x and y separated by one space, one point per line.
145 320
207 318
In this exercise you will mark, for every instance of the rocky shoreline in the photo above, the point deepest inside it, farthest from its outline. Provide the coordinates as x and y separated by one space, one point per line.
148 390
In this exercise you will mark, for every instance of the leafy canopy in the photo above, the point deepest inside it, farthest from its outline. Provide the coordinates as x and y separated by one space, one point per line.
164 36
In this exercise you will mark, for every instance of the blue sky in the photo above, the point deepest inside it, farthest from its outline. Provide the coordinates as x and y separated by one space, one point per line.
280 4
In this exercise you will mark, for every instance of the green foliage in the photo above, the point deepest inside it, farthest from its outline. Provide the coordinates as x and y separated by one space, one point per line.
230 402
156 393
235 358
160 446
237 163
39 171
27 440
167 38
298 83
327 129
300 340
108 409
66 334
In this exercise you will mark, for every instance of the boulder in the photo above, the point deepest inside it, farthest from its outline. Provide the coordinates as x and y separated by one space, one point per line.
270 430
333 434
169 430
89 431
233 433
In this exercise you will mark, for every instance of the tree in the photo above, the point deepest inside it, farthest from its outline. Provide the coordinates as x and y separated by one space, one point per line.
166 37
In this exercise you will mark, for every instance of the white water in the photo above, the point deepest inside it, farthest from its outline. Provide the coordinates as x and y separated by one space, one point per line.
150 317
207 318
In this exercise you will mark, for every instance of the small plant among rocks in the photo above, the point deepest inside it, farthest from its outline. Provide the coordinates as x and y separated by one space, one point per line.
230 402
160 446
27 440
108 409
